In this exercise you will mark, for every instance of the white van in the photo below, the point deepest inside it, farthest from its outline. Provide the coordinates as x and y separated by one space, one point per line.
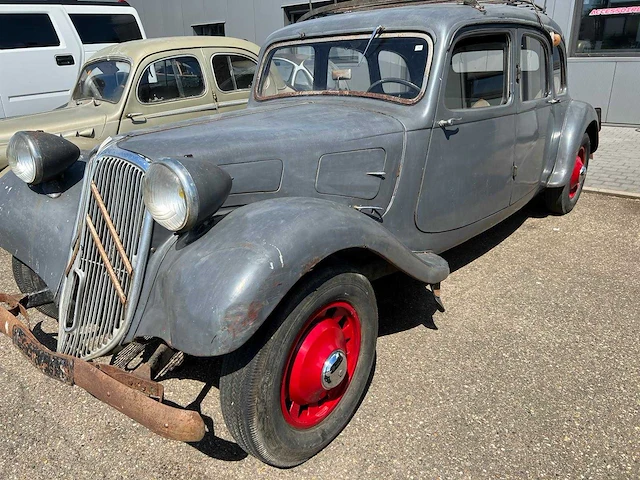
43 44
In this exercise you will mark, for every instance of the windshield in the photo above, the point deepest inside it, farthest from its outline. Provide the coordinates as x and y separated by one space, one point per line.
103 80
394 68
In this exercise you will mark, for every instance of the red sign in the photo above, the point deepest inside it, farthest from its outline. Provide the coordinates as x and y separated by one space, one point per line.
614 11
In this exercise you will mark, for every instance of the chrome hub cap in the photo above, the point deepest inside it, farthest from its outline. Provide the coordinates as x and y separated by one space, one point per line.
334 370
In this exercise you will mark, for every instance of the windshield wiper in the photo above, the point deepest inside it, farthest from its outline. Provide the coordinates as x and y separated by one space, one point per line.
377 31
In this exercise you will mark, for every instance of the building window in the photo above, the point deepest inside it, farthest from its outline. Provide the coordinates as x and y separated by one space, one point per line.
607 27
209 29
293 13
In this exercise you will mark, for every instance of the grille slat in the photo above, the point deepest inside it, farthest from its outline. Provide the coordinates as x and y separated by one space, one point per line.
101 316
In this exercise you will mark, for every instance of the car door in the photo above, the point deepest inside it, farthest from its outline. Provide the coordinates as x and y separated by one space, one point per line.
469 167
168 88
39 56
233 72
533 121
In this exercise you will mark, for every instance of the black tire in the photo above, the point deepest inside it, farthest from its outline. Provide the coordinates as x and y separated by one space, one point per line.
251 384
28 281
561 200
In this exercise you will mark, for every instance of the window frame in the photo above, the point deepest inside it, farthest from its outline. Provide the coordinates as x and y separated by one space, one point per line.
170 57
509 32
54 26
262 67
575 33
564 82
550 90
233 77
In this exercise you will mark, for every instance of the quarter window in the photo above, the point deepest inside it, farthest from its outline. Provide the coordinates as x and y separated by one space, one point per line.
171 79
233 72
105 28
27 30
559 71
533 69
478 73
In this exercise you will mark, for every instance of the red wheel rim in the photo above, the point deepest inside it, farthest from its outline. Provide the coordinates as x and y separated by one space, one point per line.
315 378
576 176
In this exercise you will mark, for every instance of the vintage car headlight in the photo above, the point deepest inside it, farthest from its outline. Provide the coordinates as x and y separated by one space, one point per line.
37 157
181 194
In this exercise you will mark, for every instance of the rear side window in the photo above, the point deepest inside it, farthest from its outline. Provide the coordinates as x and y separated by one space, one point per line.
534 83
233 72
27 30
106 28
478 75
171 79
559 71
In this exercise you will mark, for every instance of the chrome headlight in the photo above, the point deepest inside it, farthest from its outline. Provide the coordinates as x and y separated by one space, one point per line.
36 157
179 195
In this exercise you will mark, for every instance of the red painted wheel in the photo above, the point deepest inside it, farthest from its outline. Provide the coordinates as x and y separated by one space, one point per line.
291 390
321 365
578 172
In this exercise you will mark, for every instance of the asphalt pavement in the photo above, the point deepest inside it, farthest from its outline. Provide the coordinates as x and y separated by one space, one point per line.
533 372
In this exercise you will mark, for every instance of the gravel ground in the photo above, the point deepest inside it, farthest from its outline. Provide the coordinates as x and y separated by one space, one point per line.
531 373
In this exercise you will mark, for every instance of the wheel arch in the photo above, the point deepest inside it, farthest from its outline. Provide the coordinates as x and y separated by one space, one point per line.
580 118
210 296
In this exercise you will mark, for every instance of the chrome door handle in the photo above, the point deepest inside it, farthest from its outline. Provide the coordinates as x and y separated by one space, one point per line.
140 116
449 123
553 101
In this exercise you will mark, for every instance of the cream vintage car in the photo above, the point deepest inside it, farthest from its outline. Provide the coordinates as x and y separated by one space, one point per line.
146 83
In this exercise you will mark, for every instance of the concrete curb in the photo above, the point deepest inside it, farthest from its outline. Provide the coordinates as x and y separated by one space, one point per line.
612 193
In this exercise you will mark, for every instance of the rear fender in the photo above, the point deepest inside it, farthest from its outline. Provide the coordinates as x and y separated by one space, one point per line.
580 118
211 295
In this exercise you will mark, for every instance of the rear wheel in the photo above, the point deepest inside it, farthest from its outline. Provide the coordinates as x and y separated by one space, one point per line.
562 200
293 388
28 281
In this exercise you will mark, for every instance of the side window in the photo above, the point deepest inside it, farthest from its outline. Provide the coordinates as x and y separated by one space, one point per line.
534 83
27 30
171 79
105 28
478 75
559 71
233 72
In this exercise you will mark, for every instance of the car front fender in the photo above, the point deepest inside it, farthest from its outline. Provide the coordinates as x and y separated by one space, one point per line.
580 118
36 228
211 295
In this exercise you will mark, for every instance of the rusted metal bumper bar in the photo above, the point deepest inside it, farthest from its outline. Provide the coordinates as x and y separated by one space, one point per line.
124 392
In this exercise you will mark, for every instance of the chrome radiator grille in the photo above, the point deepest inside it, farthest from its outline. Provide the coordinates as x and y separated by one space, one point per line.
106 258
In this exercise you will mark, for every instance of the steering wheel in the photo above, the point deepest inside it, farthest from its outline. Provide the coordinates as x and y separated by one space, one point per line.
406 83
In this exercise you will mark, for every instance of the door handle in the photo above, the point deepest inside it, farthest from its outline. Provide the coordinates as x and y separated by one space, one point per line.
448 123
65 60
553 101
136 117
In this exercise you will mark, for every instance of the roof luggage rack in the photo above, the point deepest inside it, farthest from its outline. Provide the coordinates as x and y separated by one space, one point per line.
357 5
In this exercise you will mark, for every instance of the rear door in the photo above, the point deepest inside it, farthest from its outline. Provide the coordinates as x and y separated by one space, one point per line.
99 26
233 73
168 87
534 125
468 175
39 56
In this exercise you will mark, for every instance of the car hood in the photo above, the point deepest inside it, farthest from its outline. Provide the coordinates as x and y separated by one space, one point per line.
261 133
71 122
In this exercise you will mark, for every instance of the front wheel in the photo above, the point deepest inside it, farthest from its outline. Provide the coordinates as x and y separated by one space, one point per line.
292 389
561 200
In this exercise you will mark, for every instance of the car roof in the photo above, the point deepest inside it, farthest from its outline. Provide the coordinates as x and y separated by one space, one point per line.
137 50
439 19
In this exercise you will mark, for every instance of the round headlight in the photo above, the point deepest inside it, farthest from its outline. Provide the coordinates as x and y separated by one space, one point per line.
170 195
22 157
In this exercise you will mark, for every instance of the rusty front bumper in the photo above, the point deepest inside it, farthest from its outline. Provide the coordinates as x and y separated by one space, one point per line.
123 391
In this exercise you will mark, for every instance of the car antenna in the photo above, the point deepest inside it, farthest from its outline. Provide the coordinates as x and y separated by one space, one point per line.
376 31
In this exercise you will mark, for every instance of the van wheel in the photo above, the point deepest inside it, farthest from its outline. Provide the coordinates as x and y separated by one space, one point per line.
28 281
562 200
289 391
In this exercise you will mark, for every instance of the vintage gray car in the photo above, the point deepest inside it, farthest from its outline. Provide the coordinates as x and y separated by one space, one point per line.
255 235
